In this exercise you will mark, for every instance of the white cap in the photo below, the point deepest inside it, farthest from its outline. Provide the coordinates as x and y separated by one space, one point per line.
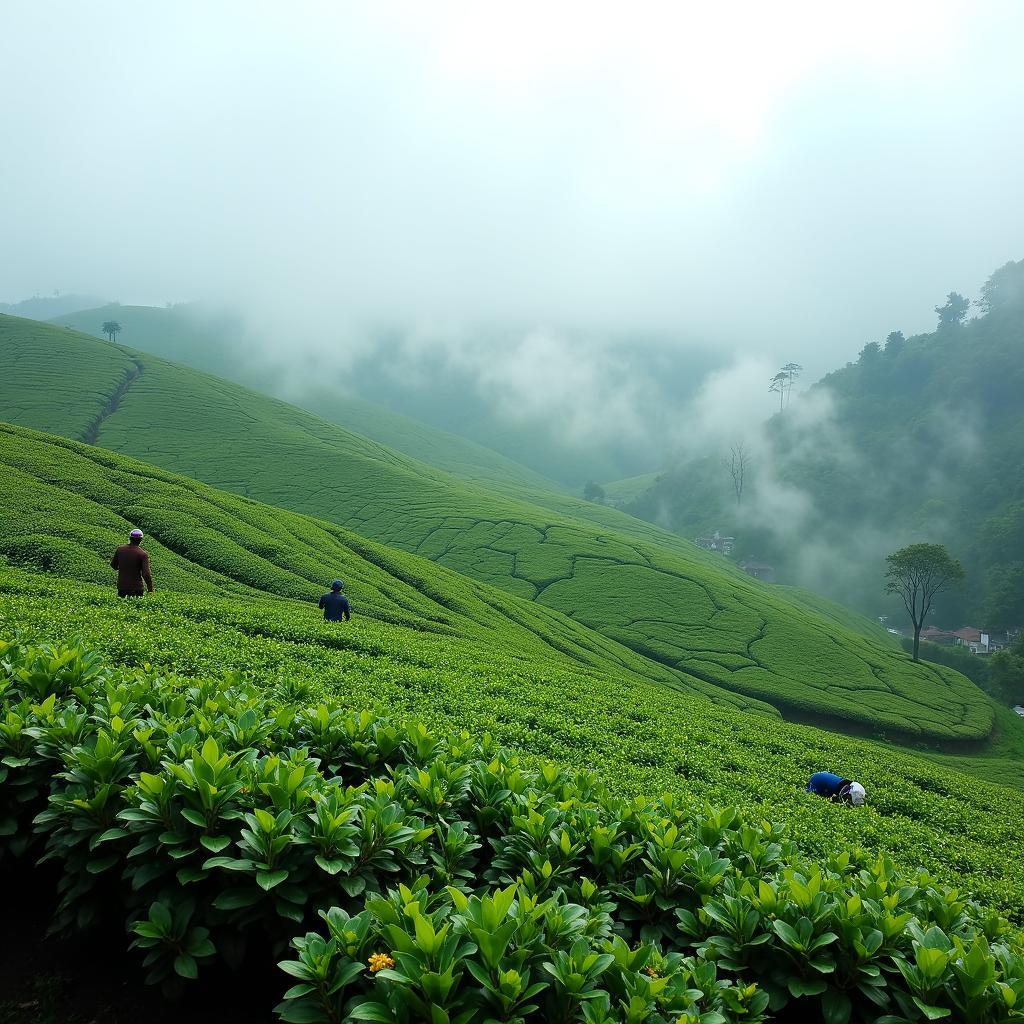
857 794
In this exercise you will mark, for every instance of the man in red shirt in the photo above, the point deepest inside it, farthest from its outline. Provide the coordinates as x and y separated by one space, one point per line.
131 561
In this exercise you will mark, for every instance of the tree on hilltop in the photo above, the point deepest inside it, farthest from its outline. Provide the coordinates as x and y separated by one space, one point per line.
917 573
870 352
895 343
593 491
111 328
782 382
954 311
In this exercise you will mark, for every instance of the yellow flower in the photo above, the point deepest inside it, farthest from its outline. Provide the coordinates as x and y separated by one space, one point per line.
378 961
652 971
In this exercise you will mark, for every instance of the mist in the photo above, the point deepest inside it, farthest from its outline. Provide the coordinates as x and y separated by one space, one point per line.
522 194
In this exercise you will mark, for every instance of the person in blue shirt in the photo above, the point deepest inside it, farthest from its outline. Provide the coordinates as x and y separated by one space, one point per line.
835 787
335 604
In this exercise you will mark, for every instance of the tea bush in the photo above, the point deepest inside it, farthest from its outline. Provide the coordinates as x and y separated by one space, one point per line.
641 738
455 882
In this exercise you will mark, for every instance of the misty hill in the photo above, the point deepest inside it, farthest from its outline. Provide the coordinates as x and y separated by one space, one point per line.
670 602
572 408
214 342
45 307
921 439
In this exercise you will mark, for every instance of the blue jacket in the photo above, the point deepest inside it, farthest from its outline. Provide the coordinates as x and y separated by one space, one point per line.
335 606
826 784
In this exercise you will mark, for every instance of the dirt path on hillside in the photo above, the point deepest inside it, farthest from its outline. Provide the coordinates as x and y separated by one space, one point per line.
92 432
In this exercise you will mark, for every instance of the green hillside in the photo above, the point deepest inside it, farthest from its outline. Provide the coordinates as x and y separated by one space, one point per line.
67 505
211 342
208 767
670 602
236 581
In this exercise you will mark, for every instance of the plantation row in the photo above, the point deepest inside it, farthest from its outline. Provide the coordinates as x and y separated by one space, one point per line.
67 506
453 882
641 737
672 604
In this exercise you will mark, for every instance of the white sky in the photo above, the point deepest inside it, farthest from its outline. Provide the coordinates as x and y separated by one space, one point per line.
786 181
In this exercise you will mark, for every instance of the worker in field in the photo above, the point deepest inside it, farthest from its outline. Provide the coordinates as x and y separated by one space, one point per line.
835 787
335 604
131 561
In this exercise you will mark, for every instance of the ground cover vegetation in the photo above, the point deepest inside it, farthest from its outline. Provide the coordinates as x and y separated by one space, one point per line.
455 881
666 600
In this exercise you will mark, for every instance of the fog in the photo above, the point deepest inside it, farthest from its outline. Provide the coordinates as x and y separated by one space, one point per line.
761 183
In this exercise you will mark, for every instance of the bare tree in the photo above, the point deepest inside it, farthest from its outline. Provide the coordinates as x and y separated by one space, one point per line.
738 463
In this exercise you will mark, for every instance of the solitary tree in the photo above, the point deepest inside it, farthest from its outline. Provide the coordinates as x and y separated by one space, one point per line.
111 328
917 573
792 372
593 491
738 463
782 382
954 311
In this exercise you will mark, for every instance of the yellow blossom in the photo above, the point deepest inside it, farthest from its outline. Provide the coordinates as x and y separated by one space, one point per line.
378 961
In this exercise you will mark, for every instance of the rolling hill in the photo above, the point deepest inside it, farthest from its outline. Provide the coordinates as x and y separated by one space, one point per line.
213 342
234 582
675 605
67 505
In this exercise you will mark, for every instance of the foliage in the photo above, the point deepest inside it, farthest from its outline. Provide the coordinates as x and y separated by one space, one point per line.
455 882
953 311
644 739
1007 673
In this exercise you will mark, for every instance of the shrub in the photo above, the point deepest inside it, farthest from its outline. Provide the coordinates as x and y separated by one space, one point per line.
455 883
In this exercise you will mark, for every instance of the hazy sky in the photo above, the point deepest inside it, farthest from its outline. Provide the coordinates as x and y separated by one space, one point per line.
784 180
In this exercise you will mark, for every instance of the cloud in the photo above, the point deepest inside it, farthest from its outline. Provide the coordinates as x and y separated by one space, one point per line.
735 179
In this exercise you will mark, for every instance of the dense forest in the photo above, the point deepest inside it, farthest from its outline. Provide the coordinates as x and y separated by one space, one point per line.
922 438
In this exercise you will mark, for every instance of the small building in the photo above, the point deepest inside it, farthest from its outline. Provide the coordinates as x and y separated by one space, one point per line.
938 636
759 570
716 542
1020 710
973 639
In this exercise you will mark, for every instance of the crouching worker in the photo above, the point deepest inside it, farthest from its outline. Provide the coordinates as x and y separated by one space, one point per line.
835 787
131 561
335 604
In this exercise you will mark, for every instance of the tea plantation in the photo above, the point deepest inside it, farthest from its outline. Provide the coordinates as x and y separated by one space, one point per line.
443 810
675 606
218 774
